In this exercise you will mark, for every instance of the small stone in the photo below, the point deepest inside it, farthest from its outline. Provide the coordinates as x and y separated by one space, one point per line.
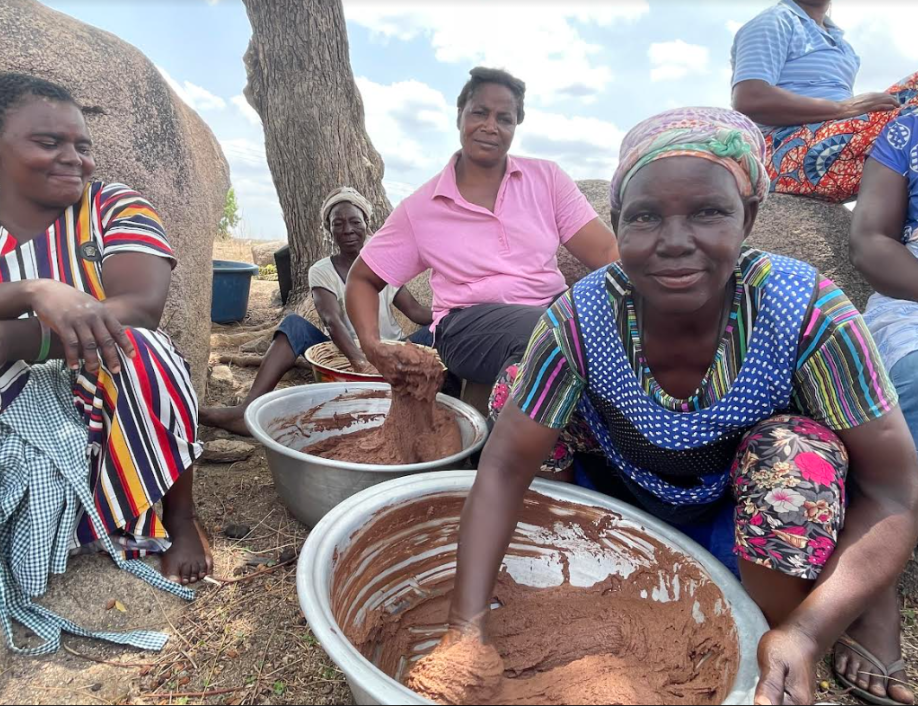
110 604
237 531
96 687
289 554
227 451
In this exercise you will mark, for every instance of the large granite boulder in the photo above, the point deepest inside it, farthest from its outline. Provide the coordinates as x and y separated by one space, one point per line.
263 252
815 232
597 193
146 137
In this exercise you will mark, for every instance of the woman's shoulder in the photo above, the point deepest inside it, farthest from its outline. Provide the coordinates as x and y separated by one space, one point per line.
323 265
776 16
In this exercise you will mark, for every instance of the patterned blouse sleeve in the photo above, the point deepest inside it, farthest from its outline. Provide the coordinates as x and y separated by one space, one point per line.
130 223
552 375
840 380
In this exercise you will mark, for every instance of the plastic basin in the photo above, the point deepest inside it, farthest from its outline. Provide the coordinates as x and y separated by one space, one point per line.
232 283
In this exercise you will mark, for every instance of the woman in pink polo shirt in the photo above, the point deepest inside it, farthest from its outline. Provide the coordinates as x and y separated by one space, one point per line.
488 227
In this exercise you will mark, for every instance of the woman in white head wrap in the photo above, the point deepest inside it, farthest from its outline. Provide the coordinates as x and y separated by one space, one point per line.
345 214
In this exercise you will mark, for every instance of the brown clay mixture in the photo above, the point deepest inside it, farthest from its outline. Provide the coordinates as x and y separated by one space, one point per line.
603 644
416 429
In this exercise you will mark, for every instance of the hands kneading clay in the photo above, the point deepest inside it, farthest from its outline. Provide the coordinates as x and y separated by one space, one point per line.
416 430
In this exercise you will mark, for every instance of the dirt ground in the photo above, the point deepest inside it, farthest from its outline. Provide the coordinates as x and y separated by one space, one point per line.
245 641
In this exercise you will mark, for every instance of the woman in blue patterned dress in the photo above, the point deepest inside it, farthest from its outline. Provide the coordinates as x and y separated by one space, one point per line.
719 388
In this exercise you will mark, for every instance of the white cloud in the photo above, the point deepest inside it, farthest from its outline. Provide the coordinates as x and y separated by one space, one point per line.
543 45
212 2
587 148
248 112
243 152
402 118
196 97
671 61
734 26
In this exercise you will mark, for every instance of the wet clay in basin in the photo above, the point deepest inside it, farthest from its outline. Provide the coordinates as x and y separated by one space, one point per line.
416 429
592 634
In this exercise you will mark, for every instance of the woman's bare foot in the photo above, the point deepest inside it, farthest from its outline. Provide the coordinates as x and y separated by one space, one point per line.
189 559
230 418
878 630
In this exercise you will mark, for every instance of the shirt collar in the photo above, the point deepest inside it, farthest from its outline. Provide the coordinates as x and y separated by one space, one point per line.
446 184
800 12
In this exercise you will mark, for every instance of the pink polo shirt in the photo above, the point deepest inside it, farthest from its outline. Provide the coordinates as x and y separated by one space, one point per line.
478 257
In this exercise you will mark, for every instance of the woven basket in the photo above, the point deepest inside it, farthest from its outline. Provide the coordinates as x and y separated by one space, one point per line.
331 365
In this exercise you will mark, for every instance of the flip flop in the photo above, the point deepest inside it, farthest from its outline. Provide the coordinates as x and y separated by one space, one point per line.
879 669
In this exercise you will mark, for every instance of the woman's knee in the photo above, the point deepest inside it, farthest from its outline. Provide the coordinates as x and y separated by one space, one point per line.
300 333
789 483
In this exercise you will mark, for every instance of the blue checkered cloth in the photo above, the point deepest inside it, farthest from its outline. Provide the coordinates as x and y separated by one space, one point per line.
44 490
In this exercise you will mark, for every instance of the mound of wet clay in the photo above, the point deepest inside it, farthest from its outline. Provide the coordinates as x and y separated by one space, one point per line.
571 645
416 429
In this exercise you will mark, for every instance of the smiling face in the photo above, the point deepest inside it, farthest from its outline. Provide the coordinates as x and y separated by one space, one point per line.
487 123
45 153
682 225
348 228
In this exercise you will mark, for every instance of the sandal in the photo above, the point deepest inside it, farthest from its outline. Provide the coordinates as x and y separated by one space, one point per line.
880 670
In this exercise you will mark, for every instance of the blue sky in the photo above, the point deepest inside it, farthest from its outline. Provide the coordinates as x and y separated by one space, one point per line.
593 69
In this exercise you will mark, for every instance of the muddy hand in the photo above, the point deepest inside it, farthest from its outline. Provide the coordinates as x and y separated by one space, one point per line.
384 356
461 669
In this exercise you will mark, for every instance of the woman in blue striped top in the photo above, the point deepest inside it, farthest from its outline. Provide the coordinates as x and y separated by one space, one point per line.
794 74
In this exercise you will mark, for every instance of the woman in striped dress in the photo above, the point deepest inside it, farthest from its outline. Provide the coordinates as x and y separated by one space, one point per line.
85 269
736 395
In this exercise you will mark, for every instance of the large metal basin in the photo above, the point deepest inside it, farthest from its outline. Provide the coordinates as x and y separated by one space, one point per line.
333 602
310 486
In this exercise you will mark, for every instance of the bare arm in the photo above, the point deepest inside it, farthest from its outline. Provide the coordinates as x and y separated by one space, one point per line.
406 303
510 461
881 527
82 327
16 298
136 288
770 105
876 233
329 309
594 245
362 301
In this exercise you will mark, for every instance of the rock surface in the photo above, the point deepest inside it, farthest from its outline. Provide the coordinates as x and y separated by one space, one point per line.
146 137
813 231
227 451
263 253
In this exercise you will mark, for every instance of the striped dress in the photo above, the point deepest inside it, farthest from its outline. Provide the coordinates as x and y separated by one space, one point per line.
141 424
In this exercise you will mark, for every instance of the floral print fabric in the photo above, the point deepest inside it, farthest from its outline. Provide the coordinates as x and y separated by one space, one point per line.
789 484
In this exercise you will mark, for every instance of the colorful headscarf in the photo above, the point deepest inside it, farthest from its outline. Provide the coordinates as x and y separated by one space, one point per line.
346 194
716 134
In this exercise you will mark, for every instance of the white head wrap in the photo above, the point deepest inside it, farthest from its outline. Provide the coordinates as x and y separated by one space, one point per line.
346 194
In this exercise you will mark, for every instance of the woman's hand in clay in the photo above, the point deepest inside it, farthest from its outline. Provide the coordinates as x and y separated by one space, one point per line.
787 662
460 670
363 366
386 359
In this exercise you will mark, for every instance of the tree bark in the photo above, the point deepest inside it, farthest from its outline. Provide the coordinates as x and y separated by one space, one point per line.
301 84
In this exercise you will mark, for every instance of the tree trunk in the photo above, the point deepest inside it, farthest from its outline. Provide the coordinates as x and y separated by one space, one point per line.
301 84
